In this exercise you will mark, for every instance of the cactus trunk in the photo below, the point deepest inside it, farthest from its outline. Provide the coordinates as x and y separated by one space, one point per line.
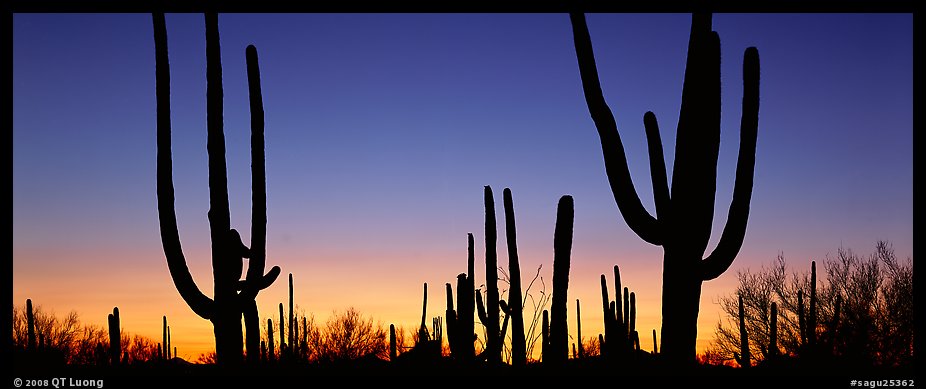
773 331
493 348
545 336
466 307
423 328
392 345
812 317
744 357
115 337
291 322
282 334
515 299
30 324
270 348
562 249
581 351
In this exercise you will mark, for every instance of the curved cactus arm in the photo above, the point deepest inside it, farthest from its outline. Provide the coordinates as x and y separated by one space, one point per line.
258 180
635 215
170 236
735 230
247 287
657 165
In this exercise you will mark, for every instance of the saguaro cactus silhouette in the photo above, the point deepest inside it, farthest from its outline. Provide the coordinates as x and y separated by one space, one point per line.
562 249
493 347
684 215
115 337
30 325
228 305
518 342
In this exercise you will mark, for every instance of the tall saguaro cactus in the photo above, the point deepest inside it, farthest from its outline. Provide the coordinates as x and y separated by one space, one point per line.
493 347
684 214
225 309
515 299
562 250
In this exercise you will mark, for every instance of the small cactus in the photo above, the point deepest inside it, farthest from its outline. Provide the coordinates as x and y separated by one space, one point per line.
545 336
773 332
801 322
282 334
292 320
812 318
30 323
270 347
743 357
423 329
392 345
581 350
164 346
115 337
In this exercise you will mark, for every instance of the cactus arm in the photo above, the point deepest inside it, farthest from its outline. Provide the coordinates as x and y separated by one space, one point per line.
635 215
256 280
170 236
657 165
735 230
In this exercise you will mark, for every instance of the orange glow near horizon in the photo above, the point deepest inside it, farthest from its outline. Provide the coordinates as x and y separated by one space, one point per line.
144 293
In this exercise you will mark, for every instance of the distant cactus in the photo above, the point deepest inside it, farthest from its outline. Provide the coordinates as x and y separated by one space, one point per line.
392 345
282 335
164 347
460 322
812 316
518 342
453 337
115 337
562 249
30 325
466 303
270 348
581 351
292 320
423 328
802 323
226 309
684 216
743 357
545 336
773 332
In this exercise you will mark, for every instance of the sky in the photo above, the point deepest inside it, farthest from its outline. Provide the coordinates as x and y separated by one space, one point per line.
383 129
